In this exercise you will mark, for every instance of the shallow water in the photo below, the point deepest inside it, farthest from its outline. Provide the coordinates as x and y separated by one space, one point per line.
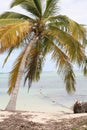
48 95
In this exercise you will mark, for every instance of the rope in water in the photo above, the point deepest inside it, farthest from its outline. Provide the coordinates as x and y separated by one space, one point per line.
54 100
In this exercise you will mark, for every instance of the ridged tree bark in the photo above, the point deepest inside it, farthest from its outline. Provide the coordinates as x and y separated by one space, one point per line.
11 106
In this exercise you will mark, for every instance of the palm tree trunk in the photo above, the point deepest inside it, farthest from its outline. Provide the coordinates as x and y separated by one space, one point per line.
11 106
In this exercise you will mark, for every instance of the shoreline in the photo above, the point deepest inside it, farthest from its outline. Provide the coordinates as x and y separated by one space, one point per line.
49 97
31 120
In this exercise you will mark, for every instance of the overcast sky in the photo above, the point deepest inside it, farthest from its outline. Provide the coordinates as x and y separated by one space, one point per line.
75 9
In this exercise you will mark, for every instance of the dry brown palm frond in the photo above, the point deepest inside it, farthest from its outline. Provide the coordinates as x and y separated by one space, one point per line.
12 35
14 73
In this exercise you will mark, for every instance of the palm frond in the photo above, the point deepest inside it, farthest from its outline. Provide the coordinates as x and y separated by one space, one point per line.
31 66
69 78
76 30
84 66
35 60
67 43
8 15
14 73
34 65
9 53
51 8
64 66
33 6
37 4
12 34
44 46
9 21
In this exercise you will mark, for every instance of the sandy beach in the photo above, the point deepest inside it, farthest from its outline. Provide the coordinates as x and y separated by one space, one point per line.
26 120
43 109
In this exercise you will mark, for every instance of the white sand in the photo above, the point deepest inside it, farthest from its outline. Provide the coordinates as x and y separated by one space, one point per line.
4 115
40 117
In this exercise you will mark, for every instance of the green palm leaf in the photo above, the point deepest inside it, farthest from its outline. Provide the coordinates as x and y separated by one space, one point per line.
84 66
34 64
9 53
37 4
8 15
45 46
31 68
71 46
14 73
63 65
5 22
33 6
51 8
76 30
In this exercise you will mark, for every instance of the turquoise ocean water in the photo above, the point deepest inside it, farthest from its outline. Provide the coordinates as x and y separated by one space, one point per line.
47 95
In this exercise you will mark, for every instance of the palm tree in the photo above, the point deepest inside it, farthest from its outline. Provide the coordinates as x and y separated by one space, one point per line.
43 30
